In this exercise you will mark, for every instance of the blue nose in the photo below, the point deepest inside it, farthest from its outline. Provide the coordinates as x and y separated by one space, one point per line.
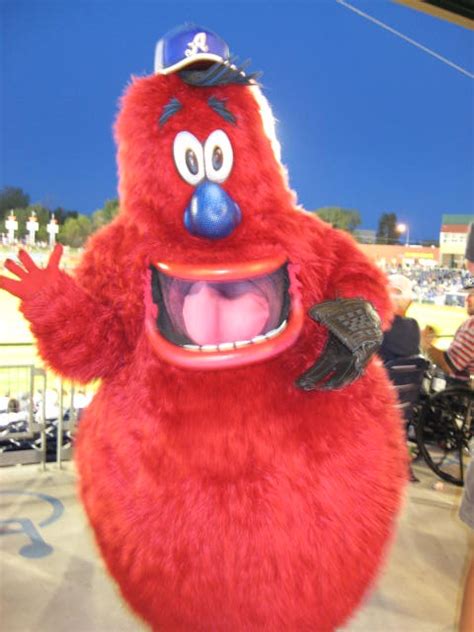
211 213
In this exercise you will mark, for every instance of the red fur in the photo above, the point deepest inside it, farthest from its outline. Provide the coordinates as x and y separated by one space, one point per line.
225 500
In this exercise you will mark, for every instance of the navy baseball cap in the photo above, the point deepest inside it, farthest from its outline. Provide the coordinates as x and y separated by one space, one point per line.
189 44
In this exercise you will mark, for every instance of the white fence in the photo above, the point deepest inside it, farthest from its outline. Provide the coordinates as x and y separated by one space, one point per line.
39 414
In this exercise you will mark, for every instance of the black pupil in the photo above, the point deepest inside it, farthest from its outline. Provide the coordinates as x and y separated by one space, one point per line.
217 158
191 161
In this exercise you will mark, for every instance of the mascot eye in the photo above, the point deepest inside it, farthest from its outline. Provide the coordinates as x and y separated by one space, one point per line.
188 157
218 156
192 162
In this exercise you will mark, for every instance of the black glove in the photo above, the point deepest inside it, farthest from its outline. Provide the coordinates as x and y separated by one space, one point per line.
354 336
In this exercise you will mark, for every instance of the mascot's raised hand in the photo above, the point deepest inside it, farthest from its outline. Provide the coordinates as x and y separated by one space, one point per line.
242 461
71 322
30 278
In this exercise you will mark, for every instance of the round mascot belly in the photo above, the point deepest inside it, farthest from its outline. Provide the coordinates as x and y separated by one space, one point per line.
243 461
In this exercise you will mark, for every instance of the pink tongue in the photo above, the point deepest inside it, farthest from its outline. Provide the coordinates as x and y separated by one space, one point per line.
211 318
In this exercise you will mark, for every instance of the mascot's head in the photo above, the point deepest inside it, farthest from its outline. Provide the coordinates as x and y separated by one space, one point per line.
201 178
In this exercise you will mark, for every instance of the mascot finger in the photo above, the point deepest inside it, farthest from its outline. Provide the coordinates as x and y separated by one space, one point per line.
11 286
15 269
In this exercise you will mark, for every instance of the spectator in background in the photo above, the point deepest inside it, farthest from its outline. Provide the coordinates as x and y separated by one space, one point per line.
403 338
470 249
458 360
13 406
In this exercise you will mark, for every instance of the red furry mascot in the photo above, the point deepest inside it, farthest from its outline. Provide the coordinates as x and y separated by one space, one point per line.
242 462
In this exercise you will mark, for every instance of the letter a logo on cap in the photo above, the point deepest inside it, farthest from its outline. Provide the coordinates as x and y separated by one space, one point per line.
197 44
186 45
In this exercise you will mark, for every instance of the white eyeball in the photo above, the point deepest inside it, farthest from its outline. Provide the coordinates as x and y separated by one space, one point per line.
218 156
188 158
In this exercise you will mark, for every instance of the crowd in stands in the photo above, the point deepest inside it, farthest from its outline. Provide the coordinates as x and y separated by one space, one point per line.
441 286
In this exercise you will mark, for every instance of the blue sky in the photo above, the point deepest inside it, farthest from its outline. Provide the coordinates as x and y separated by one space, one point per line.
366 121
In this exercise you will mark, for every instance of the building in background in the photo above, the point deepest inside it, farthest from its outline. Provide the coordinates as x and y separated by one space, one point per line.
389 257
453 238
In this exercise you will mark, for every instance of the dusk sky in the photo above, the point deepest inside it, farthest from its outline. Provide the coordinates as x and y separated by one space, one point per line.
366 120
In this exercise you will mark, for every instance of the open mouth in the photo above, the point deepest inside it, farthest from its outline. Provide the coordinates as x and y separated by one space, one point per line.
220 316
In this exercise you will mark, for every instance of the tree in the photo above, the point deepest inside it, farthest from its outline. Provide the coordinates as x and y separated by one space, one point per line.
338 217
105 215
12 198
75 231
61 214
387 230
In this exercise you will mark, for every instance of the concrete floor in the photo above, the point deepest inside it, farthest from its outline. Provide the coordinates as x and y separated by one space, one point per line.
54 580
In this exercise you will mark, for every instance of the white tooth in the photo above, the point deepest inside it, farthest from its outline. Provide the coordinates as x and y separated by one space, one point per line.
282 326
242 343
258 339
226 346
272 333
208 348
191 347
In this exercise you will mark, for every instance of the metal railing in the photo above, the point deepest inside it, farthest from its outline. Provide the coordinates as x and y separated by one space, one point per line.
39 413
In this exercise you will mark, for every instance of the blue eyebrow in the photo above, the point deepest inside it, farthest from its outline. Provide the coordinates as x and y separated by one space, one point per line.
218 105
169 109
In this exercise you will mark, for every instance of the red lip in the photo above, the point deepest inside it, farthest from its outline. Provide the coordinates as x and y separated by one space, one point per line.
221 272
232 354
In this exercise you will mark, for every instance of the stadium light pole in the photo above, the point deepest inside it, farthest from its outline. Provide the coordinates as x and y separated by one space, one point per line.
404 228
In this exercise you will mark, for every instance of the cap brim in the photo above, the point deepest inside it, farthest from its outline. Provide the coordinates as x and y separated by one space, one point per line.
189 61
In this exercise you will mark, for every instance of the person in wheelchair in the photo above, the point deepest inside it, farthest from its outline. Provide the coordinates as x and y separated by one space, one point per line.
444 425
458 360
402 340
400 351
